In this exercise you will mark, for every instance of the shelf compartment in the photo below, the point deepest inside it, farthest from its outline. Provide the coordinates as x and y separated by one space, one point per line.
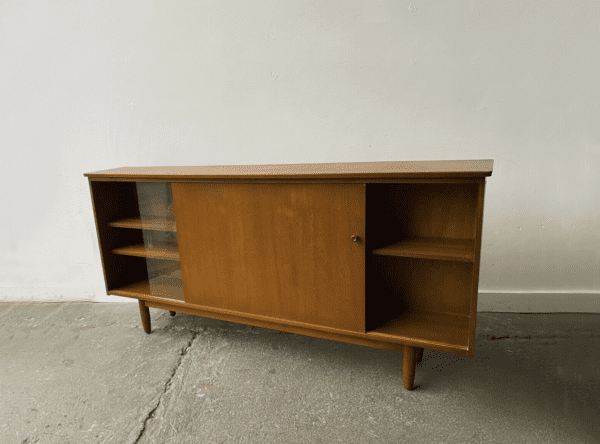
431 248
146 223
139 250
444 329
406 284
163 287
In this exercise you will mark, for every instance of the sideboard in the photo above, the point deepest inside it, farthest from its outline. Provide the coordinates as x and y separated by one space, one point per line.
379 254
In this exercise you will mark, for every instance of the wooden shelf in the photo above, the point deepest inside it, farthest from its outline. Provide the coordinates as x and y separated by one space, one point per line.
161 287
154 224
444 329
431 248
168 253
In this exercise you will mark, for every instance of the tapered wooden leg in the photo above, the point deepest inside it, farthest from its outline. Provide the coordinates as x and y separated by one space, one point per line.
172 313
145 313
409 363
419 355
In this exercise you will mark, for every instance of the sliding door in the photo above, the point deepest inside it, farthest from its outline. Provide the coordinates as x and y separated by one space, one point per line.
282 250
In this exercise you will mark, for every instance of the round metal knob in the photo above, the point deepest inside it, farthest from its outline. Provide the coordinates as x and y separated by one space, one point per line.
354 238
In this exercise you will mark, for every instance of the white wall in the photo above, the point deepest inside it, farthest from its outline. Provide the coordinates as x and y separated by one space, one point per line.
88 85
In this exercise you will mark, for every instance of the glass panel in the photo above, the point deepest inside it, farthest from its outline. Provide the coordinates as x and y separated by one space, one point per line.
160 239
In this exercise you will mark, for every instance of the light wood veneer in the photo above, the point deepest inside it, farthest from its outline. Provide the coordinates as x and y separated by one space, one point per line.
379 254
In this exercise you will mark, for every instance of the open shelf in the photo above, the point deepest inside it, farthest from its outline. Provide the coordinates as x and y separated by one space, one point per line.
162 287
421 257
153 224
431 248
162 252
445 329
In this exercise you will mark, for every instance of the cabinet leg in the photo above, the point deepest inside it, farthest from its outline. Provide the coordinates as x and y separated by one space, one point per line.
409 363
145 313
172 313
419 355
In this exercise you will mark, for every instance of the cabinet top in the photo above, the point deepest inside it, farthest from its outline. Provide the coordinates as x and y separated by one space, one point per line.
347 170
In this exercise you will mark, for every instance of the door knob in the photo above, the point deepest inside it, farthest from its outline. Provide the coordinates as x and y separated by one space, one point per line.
354 238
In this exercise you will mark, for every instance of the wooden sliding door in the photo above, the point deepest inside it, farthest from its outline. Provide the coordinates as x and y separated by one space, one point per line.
275 249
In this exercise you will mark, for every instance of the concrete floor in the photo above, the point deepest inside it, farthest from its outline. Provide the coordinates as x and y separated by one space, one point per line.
87 373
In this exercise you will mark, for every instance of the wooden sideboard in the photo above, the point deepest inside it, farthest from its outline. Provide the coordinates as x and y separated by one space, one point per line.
380 254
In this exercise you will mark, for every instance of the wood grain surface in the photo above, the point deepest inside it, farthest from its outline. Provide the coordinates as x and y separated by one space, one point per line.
431 248
317 171
279 250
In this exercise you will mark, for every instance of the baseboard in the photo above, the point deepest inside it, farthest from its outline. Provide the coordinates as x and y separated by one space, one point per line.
488 301
58 294
539 302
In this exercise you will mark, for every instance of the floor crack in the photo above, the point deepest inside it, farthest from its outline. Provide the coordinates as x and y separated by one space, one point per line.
182 353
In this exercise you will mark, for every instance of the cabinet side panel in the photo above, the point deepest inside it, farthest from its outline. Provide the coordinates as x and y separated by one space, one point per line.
112 201
278 250
424 285
475 284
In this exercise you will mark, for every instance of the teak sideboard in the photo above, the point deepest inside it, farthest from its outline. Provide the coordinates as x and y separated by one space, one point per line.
380 254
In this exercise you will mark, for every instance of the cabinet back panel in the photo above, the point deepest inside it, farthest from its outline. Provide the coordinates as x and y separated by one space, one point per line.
279 250
412 284
395 211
